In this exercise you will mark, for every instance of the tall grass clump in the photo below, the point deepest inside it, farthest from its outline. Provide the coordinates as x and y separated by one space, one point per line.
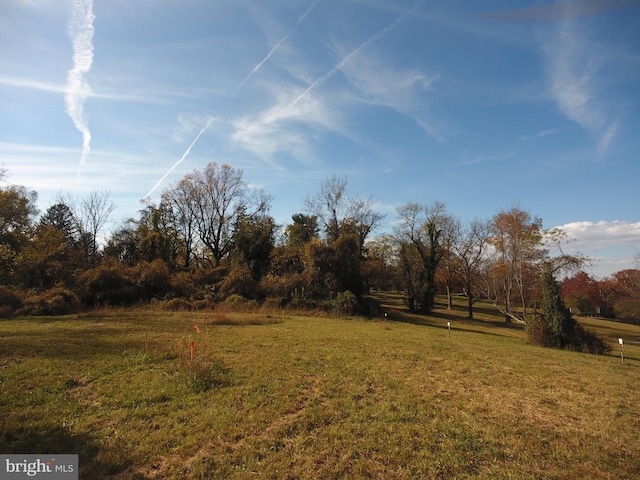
203 375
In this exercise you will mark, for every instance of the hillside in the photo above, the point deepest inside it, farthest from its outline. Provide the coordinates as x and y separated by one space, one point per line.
281 395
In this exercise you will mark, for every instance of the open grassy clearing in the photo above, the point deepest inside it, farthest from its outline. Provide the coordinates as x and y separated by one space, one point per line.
287 396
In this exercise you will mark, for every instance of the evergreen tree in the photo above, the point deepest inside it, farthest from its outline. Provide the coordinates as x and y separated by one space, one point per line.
556 327
557 317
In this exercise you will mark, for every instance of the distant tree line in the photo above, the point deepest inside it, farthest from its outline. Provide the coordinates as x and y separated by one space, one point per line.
211 239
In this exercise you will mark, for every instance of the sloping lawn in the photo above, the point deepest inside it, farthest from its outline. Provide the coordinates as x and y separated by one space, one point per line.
278 395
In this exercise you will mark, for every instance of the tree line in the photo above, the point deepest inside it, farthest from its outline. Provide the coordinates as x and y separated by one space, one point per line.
211 239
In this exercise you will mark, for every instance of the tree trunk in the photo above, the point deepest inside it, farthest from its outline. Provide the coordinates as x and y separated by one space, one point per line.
469 301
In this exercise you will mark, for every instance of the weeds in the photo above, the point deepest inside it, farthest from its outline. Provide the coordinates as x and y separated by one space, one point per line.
201 376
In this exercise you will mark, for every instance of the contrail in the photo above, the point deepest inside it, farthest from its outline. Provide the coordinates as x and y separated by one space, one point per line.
240 85
347 58
271 52
307 12
255 69
81 34
184 155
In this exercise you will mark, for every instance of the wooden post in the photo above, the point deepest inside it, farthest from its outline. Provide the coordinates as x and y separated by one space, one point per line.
192 346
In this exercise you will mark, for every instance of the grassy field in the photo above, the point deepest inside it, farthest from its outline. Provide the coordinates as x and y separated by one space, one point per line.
277 395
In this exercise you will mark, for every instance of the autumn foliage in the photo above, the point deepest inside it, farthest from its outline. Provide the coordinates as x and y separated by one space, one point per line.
211 239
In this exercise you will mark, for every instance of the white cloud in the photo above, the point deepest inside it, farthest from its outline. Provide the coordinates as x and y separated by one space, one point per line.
612 245
577 68
399 89
281 128
604 234
120 172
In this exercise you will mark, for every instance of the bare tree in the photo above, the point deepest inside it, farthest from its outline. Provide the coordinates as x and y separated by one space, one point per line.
181 200
330 205
339 214
3 172
219 195
449 267
208 205
365 219
556 239
470 246
92 215
421 229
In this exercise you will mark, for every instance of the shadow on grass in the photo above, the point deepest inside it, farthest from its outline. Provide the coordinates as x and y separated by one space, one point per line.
397 312
64 343
94 461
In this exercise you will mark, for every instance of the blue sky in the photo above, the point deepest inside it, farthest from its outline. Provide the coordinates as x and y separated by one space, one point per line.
468 103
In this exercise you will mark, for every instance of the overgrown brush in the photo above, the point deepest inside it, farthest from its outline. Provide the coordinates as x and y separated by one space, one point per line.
56 301
10 301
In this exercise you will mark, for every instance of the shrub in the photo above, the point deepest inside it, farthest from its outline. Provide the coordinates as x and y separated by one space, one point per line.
153 278
274 303
57 301
345 303
239 281
285 285
175 305
587 341
9 302
202 305
183 285
239 303
208 280
539 333
235 300
110 284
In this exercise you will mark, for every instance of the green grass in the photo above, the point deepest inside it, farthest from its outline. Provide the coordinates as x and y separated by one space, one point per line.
288 396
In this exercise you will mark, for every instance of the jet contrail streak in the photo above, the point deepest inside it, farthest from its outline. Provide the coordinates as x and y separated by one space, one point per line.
240 85
307 12
253 72
255 69
77 89
347 58
184 155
